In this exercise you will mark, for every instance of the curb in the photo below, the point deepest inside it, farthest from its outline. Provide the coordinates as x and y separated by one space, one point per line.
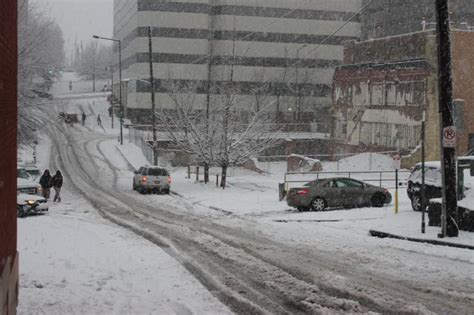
418 240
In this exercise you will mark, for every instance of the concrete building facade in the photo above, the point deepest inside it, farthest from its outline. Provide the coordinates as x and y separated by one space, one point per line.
385 85
279 50
382 18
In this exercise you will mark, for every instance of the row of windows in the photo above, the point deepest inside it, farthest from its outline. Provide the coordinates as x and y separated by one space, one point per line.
383 94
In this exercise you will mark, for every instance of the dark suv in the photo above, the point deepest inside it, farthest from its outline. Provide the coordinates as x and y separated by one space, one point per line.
433 184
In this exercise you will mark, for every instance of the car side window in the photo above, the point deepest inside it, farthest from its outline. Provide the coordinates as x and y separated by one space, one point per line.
340 183
354 183
329 184
348 183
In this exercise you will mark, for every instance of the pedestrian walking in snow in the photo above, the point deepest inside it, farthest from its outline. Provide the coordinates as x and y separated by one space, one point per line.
45 182
57 183
99 121
70 86
83 118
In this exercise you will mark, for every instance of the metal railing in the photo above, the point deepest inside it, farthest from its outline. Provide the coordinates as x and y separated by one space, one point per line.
136 137
387 179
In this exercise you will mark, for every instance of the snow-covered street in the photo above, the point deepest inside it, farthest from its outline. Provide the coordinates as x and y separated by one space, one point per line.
204 250
73 261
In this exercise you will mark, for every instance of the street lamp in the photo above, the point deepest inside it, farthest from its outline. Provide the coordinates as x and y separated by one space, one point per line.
120 81
297 98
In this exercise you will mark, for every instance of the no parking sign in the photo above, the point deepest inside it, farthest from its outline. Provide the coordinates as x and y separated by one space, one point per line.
397 161
449 137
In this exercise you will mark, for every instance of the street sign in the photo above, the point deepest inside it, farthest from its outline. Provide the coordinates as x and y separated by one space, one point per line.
397 161
449 137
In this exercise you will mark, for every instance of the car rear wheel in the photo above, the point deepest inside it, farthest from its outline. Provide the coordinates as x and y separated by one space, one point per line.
416 202
318 204
377 201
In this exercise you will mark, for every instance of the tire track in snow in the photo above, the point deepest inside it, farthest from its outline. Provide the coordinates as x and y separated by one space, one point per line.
245 271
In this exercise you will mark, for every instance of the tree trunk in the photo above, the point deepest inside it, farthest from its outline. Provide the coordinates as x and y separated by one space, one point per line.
224 176
206 172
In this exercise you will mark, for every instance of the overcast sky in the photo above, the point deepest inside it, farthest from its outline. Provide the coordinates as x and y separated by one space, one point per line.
79 19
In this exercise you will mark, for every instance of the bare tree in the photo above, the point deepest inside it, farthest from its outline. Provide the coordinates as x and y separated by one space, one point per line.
40 56
186 126
218 136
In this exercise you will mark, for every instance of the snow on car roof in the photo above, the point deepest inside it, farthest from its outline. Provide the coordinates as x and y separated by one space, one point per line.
29 197
433 164
24 183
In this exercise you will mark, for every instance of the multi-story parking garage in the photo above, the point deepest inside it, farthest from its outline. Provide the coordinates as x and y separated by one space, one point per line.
275 53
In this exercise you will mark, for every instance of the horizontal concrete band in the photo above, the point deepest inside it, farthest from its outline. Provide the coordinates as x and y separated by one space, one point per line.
237 10
241 88
184 33
229 60
405 64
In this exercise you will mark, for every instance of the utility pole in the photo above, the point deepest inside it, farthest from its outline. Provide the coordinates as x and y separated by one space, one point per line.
153 107
449 216
120 91
93 76
423 194
112 91
120 81
297 114
210 41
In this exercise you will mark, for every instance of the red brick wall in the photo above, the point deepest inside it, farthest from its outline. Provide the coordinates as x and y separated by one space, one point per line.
8 129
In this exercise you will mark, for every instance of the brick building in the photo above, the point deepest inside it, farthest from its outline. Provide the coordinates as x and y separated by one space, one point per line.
383 18
385 85
8 123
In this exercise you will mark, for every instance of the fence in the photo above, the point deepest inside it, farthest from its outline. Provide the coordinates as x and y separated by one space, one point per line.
138 137
198 172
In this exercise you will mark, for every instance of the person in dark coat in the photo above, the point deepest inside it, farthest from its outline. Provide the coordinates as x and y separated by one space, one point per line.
45 182
57 183
99 121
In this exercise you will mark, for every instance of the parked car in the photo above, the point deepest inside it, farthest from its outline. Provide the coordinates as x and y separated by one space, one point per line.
22 173
27 186
28 204
337 192
433 183
152 179
33 171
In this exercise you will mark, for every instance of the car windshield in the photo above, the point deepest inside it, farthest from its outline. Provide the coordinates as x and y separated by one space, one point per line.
22 173
34 172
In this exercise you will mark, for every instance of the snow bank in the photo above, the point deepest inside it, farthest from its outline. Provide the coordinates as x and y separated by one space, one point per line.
362 162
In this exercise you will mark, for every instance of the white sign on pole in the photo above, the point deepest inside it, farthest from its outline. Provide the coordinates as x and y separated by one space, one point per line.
449 137
397 161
